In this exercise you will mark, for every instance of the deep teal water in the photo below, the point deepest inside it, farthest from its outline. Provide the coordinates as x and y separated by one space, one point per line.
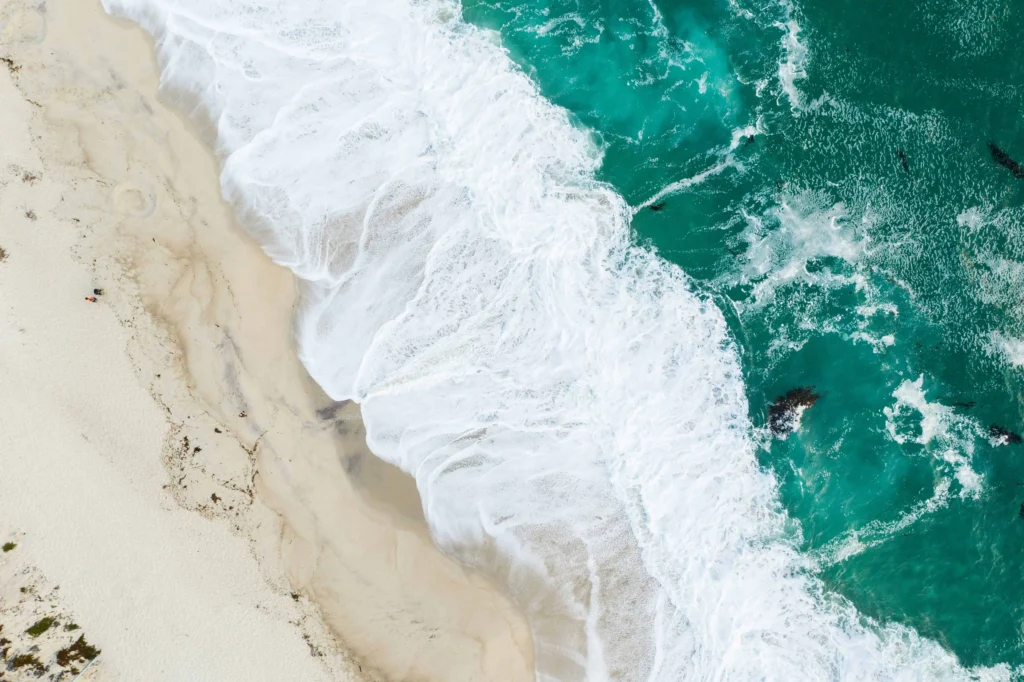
835 266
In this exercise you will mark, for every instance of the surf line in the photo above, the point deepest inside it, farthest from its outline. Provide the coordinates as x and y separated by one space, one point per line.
857 540
680 185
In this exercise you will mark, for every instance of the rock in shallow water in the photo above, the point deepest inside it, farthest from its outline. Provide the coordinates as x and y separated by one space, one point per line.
1003 436
784 413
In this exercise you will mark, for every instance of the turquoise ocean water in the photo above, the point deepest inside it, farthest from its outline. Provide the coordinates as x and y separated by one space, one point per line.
823 170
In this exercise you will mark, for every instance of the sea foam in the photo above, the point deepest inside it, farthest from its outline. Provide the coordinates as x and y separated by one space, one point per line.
571 407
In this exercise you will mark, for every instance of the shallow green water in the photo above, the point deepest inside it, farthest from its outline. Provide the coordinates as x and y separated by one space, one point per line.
835 266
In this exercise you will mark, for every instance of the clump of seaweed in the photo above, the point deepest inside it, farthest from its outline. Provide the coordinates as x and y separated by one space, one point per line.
27 661
40 627
784 413
3 254
8 546
79 651
1004 436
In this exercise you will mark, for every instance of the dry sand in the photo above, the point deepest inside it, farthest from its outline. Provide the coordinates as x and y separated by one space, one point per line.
174 482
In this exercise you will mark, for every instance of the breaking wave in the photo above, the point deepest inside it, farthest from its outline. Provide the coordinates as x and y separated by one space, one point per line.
570 404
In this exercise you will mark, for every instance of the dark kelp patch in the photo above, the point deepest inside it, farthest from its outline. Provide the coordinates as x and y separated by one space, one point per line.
1004 160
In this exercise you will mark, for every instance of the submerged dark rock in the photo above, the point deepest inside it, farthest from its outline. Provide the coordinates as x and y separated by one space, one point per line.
903 160
1004 160
967 405
657 207
784 413
1004 436
1022 510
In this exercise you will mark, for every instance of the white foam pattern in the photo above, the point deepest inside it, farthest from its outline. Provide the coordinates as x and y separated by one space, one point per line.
572 410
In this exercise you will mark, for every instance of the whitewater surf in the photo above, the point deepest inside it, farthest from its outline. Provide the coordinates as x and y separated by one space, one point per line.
570 403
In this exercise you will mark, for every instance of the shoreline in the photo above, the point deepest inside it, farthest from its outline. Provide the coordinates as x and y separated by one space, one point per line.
248 440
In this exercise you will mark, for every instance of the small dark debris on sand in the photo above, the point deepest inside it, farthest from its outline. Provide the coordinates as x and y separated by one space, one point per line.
8 546
784 413
1004 436
29 177
11 66
31 215
217 430
657 207
332 411
903 160
97 292
3 254
214 498
1004 160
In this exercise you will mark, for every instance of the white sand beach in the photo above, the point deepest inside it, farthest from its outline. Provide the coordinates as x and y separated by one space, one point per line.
172 482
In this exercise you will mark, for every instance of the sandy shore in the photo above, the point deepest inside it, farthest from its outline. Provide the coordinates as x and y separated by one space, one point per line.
173 483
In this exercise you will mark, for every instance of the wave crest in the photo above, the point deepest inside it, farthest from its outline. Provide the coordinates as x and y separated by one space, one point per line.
571 408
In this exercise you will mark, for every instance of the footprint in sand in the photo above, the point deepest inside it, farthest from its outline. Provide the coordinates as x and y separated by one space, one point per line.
129 199
23 26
